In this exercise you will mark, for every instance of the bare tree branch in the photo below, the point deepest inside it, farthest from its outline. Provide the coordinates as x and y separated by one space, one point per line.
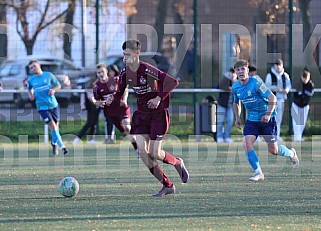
21 12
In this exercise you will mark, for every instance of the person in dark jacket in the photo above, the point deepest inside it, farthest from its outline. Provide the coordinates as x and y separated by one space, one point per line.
225 116
87 102
300 106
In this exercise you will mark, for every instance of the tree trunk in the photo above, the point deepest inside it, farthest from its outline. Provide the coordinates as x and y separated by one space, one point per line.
67 36
3 35
306 21
29 46
177 20
160 20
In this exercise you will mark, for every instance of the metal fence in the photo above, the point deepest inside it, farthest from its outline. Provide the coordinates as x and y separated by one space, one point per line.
189 112
214 33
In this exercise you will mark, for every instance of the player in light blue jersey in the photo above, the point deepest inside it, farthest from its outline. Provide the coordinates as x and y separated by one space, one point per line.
42 87
259 102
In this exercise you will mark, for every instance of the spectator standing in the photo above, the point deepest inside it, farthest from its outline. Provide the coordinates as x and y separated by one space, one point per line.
300 106
87 102
225 107
280 84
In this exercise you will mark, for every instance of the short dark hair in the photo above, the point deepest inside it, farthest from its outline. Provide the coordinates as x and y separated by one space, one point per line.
306 73
241 63
131 44
278 62
32 61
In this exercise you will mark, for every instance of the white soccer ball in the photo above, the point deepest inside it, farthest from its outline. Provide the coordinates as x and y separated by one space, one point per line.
69 186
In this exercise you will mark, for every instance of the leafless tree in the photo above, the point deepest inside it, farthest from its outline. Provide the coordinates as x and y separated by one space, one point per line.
270 11
67 37
29 28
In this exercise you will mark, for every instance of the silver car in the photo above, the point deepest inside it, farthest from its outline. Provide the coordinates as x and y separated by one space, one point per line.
14 75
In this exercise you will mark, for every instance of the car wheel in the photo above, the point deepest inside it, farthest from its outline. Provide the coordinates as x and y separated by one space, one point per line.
18 102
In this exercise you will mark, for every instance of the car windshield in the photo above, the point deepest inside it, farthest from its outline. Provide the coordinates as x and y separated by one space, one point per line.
50 68
4 70
9 69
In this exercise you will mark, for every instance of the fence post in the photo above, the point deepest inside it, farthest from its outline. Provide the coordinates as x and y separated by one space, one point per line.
46 135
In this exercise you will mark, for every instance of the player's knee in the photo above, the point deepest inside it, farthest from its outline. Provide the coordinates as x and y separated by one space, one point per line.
247 147
52 125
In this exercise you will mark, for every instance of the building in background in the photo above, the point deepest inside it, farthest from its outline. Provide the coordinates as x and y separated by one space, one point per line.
112 29
121 19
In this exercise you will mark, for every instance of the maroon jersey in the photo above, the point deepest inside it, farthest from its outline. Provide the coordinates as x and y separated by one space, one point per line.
147 82
101 90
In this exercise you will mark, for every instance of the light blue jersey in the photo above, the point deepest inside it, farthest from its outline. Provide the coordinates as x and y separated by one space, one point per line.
254 97
41 84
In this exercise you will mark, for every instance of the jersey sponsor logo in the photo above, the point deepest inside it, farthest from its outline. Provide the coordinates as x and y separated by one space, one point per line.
142 89
41 88
249 100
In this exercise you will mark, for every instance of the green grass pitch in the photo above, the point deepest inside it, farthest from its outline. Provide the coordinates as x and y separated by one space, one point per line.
116 189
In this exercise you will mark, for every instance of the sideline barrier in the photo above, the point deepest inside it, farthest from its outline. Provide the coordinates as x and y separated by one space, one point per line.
197 112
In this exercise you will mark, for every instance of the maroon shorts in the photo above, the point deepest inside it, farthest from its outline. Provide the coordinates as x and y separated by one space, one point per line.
116 118
154 124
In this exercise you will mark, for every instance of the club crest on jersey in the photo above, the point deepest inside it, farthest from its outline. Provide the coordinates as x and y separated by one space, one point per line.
249 93
112 88
142 80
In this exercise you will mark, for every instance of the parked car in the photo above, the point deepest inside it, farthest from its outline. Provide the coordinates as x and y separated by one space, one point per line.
66 67
154 58
14 75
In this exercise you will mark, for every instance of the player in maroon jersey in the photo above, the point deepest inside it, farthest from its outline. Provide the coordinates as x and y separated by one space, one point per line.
115 106
150 122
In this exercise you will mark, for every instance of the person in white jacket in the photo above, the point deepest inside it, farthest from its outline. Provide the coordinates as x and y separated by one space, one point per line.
280 84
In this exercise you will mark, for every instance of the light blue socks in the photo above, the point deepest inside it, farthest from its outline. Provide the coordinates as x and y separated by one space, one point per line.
56 138
284 151
253 159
